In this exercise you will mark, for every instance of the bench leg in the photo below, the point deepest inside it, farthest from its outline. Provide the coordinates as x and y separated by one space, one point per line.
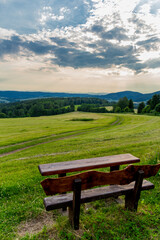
63 175
132 198
74 210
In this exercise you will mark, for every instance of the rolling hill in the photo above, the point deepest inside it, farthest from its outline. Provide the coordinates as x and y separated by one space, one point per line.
14 96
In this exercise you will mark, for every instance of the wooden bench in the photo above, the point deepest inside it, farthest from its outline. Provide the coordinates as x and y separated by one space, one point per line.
61 168
128 182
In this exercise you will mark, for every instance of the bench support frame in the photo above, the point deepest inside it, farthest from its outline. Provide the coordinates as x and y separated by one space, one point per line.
74 209
131 178
132 198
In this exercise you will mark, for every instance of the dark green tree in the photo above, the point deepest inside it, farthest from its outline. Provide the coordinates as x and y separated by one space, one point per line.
140 107
154 101
157 108
123 103
131 105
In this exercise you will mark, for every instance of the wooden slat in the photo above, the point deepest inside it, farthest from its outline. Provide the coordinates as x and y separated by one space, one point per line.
90 195
91 179
86 164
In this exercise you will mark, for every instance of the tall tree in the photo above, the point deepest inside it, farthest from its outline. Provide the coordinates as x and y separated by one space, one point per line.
140 107
130 105
123 103
154 101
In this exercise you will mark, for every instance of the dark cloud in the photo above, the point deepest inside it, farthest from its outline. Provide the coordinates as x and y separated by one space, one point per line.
66 53
149 44
38 47
109 55
62 41
140 26
115 33
97 28
9 46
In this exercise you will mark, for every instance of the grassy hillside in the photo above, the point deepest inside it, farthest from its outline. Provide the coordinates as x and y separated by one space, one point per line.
26 143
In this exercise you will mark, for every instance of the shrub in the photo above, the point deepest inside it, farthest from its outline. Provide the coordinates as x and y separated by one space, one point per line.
127 109
146 109
118 110
2 115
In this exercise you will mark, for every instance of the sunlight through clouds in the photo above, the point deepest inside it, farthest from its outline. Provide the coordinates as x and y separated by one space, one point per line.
84 39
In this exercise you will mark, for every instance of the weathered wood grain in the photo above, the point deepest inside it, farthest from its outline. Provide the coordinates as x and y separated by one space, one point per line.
132 198
59 201
86 164
91 179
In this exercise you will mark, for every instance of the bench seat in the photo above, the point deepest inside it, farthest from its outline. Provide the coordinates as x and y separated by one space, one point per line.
89 195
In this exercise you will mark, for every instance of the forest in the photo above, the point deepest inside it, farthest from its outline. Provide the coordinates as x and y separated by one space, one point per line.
46 106
55 106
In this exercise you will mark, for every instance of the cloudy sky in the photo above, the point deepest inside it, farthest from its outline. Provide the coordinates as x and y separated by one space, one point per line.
80 45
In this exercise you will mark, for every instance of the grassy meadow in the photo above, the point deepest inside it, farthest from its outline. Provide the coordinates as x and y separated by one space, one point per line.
27 142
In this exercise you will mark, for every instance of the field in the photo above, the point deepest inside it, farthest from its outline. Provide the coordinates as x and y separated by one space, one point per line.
27 142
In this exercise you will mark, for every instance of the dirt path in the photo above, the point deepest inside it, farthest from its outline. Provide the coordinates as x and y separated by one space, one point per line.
36 144
117 122
30 141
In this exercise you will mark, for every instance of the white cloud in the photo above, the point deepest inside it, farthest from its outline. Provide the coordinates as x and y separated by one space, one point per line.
47 14
135 17
6 33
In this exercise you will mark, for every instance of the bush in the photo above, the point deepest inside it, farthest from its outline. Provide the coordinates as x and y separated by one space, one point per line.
3 115
118 110
127 109
146 109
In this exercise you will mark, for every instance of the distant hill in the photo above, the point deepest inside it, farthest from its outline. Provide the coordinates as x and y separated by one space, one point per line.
135 96
14 96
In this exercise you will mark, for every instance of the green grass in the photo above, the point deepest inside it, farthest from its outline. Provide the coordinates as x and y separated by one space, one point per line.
59 138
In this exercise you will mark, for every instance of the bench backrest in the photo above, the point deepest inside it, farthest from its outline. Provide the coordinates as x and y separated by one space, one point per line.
91 179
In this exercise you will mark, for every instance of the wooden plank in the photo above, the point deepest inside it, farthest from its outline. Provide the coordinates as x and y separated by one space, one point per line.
91 179
86 164
59 201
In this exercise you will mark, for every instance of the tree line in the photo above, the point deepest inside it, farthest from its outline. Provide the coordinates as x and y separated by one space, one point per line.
54 106
152 106
96 108
45 106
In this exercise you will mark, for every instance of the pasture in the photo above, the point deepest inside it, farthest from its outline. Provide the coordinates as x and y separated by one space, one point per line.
27 142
